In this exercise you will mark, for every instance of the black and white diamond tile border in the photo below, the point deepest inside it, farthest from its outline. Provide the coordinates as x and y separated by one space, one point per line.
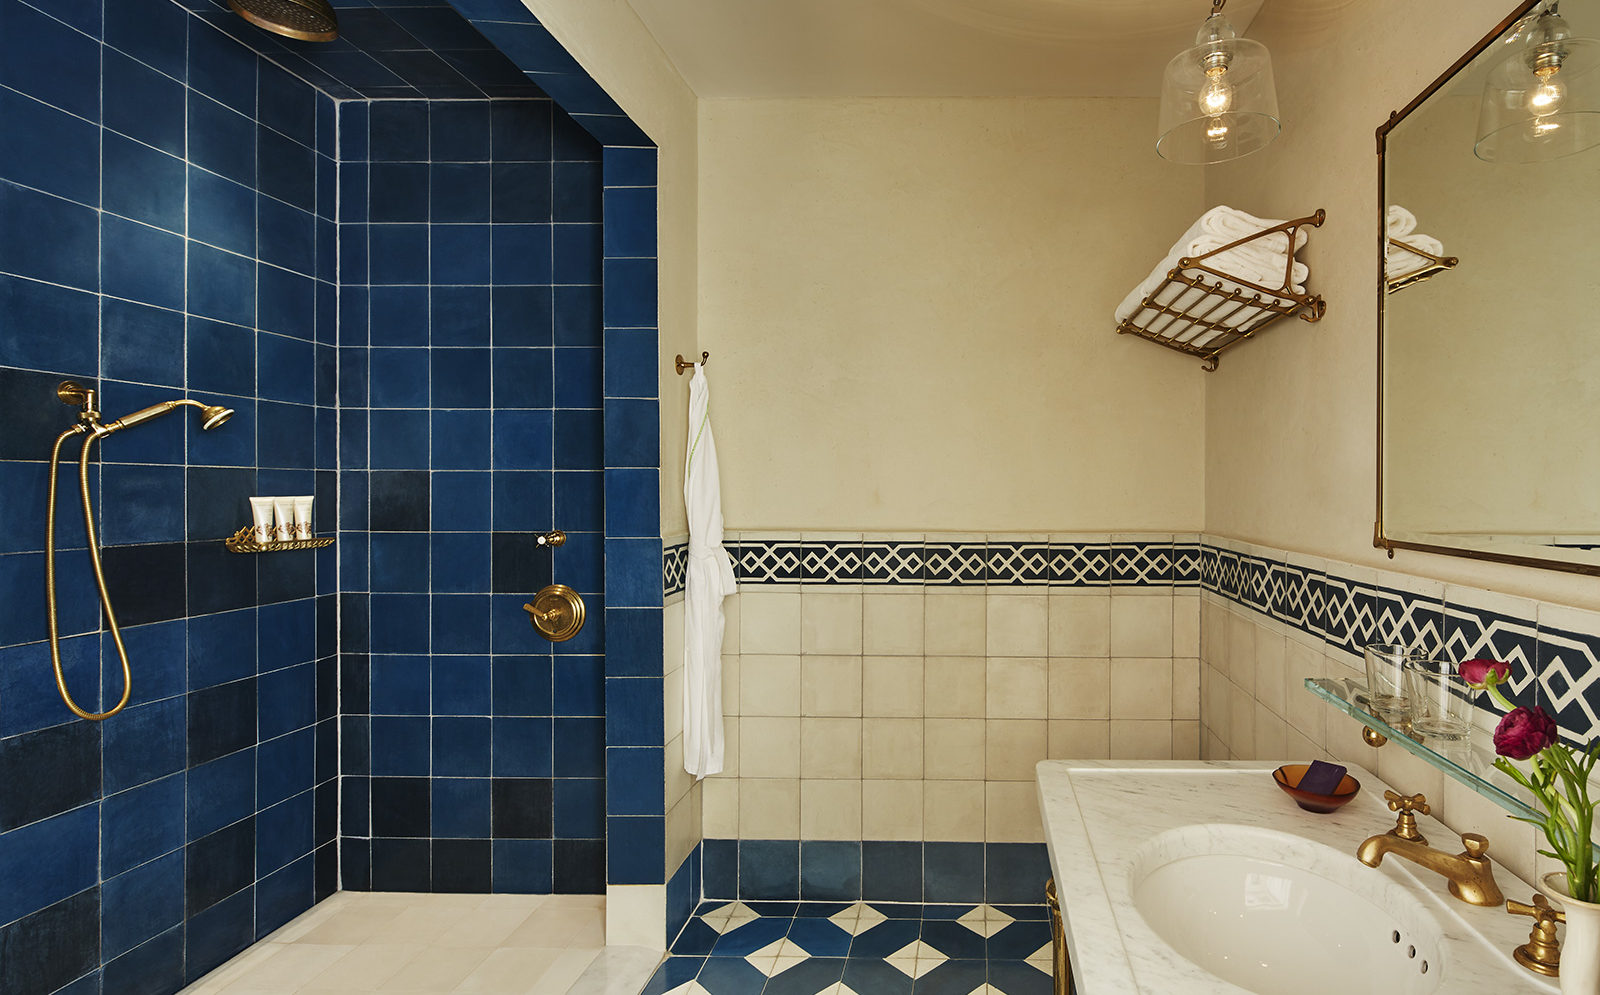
859 948
1557 669
936 562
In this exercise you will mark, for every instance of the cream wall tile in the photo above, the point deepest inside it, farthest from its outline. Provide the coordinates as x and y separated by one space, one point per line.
1079 739
830 747
1216 710
1141 688
1080 688
892 685
1301 749
1186 740
1186 625
769 747
955 686
1017 688
730 683
1271 739
1011 813
636 916
1141 626
672 635
1141 739
769 621
830 810
892 621
955 622
720 808
1186 688
954 748
1080 625
1511 843
891 810
1304 710
830 685
769 808
675 779
730 624
953 810
1241 656
1213 629
830 623
730 746
769 685
672 703
1013 747
1271 662
1018 624
684 822
891 748
1241 731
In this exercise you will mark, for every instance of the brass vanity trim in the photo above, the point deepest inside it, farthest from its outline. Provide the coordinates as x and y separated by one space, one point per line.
1379 539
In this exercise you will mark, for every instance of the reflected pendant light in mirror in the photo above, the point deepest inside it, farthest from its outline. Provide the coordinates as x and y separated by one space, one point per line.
1217 98
1544 101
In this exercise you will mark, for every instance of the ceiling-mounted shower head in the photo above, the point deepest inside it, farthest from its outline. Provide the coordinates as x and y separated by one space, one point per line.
305 20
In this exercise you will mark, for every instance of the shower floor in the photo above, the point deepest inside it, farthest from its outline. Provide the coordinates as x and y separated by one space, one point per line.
864 948
383 942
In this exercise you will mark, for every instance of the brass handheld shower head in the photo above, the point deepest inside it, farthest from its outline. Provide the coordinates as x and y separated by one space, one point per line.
211 415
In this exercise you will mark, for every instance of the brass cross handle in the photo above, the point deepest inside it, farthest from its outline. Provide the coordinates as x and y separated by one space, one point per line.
557 612
1406 826
1542 953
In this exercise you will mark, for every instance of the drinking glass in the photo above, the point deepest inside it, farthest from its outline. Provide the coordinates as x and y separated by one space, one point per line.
1387 690
1441 702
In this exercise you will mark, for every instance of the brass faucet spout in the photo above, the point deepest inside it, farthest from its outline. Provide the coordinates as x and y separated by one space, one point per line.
1470 873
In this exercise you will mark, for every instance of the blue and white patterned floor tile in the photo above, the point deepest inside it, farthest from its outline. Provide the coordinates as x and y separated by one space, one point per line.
861 948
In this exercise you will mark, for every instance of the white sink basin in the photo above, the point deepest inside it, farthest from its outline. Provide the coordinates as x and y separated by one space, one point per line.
1281 915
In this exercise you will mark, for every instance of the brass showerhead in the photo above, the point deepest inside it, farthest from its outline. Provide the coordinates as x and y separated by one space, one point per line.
213 415
304 20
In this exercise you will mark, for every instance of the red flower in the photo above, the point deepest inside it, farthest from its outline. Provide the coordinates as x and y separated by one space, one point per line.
1524 732
1475 672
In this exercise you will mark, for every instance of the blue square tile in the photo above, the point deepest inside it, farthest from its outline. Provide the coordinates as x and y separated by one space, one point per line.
140 343
152 32
630 167
221 140
141 824
140 263
461 501
633 642
142 103
633 849
288 305
285 368
579 747
52 328
523 378
891 871
461 746
400 746
287 105
286 170
768 869
634 706
400 685
146 744
522 254
953 872
522 685
399 131
399 316
399 253
632 433
461 254
580 808
287 235
461 378
399 440
578 318
577 377
221 793
720 868
633 573
458 193
522 500
460 130
221 285
522 866
576 199
461 807
461 685
630 363
522 315
1015 872
521 192
581 434
580 500
830 871
522 440
50 149
399 623
286 766
633 781
630 293
577 255
522 747
139 904
633 505
33 48
398 378
461 623
398 191
460 561
460 315
285 832
69 257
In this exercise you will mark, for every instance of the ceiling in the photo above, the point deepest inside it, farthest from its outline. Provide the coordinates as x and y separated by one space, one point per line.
888 48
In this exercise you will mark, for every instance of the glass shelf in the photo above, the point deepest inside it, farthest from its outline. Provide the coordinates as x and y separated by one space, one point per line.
1470 761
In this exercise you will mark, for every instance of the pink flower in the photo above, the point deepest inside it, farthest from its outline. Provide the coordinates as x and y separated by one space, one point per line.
1524 732
1476 672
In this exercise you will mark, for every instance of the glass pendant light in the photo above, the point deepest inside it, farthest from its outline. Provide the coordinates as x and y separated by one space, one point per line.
1217 98
1544 101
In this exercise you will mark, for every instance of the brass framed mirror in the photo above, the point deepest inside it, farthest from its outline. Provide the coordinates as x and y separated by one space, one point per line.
1489 367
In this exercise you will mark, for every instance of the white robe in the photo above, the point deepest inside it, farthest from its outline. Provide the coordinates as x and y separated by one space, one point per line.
708 578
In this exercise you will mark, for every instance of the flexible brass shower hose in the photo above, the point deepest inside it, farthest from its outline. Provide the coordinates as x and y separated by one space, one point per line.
99 575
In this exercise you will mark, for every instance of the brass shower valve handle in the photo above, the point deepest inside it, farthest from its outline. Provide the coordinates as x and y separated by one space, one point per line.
1542 953
1406 826
556 538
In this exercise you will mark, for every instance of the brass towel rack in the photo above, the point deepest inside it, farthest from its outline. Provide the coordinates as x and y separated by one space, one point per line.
1204 324
1434 266
684 365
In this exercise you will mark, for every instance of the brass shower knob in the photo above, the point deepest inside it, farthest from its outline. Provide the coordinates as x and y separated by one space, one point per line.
557 612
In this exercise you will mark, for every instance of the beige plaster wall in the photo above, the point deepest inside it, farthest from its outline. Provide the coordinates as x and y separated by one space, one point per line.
908 308
611 43
1291 418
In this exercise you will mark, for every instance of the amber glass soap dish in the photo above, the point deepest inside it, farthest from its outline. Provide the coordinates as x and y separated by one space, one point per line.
1288 777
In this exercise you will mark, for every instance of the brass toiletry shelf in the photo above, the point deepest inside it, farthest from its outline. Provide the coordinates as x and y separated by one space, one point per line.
244 541
1435 266
1220 317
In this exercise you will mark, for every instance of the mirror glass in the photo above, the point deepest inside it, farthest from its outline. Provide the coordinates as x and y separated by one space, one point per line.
1490 389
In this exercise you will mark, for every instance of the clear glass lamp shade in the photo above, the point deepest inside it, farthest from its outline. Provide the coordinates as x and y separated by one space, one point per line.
1222 116
1525 119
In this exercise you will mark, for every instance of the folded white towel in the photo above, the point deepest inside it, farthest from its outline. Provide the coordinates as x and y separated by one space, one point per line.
1245 262
1399 262
1399 222
1180 297
1234 224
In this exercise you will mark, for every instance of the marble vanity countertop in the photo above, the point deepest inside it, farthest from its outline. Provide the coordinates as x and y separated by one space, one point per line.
1098 815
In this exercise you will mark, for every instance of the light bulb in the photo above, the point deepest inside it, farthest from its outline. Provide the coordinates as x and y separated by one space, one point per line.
1548 96
1216 97
1216 131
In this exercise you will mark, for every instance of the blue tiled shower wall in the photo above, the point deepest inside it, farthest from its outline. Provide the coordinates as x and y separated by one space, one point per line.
471 404
166 228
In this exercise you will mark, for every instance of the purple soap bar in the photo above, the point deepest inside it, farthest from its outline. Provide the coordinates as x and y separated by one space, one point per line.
1321 778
